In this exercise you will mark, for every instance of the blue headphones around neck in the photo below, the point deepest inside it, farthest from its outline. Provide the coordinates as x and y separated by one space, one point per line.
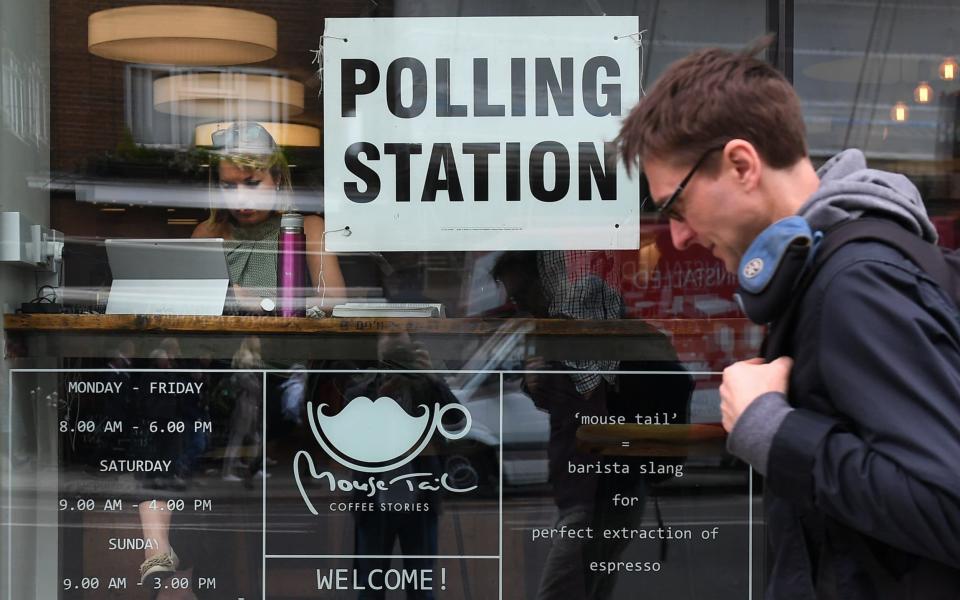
772 266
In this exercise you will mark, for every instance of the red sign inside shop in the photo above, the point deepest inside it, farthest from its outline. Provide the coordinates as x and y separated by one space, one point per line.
660 282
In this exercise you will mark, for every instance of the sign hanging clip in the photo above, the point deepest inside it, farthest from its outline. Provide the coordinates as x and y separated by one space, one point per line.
318 58
638 40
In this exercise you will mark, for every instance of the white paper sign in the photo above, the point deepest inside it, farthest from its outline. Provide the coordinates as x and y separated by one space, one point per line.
478 133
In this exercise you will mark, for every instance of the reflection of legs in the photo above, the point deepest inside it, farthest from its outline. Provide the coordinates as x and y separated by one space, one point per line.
156 528
159 558
370 537
241 424
418 537
376 532
601 585
196 445
257 463
232 454
563 574
253 434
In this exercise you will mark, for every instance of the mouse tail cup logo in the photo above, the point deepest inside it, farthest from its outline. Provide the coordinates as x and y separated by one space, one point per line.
374 436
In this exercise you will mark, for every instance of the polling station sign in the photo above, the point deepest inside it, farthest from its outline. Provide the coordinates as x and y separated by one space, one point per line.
491 133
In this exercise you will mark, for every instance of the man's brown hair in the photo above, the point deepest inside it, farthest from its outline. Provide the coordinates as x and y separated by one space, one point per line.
709 98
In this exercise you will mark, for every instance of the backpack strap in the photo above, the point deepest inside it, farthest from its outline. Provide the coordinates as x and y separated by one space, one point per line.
927 256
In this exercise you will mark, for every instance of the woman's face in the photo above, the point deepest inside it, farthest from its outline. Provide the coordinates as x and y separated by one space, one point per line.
249 194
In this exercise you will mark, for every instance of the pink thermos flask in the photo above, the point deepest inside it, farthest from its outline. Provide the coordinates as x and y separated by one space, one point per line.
291 266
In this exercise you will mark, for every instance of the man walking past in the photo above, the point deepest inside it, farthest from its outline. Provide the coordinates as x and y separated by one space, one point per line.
853 412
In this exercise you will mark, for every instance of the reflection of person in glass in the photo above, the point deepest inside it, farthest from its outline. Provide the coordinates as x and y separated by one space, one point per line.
160 560
247 391
412 522
251 173
559 284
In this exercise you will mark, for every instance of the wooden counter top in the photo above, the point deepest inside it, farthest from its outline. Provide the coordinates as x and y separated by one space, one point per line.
704 439
64 323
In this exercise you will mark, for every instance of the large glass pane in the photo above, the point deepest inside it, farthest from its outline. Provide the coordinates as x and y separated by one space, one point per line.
882 77
191 409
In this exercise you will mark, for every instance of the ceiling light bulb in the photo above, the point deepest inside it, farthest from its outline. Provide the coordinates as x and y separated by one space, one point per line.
900 112
948 69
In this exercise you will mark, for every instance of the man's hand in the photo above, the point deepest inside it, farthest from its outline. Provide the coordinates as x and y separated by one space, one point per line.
745 381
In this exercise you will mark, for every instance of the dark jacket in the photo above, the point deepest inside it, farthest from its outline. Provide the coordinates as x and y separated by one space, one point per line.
863 498
863 459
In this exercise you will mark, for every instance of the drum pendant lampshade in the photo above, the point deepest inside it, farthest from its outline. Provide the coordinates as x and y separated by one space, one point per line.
182 35
229 96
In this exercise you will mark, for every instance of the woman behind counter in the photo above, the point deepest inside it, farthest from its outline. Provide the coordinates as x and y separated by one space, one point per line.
251 175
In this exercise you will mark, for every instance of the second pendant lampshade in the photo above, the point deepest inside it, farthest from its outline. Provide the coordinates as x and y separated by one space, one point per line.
229 96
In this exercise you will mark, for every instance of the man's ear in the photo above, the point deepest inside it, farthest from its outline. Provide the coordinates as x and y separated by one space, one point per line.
744 162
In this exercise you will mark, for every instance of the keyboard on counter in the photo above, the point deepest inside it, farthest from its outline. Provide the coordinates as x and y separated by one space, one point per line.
389 309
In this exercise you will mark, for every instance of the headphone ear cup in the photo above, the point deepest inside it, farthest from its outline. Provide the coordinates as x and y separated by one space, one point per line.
771 268
766 305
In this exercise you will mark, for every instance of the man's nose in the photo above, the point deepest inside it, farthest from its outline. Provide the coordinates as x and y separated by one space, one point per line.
681 234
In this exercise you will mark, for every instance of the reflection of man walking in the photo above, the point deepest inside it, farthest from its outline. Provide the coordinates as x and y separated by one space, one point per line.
412 523
549 284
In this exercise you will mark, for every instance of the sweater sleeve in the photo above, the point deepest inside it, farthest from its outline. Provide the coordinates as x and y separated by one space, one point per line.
753 434
886 464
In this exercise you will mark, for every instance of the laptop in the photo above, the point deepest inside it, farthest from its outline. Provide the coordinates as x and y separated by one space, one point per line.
167 276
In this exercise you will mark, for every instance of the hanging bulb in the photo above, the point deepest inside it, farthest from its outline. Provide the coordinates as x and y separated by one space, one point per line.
948 69
923 93
900 112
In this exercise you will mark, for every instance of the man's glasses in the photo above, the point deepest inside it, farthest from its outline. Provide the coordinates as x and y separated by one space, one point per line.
666 209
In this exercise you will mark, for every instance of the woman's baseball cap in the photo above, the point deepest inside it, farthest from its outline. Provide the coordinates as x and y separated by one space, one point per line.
243 137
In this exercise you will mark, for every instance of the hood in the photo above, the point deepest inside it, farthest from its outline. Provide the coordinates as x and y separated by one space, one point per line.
848 190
